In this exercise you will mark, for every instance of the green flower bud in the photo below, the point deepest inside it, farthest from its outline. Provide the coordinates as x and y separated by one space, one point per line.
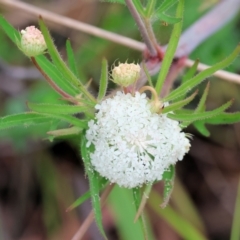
32 42
126 74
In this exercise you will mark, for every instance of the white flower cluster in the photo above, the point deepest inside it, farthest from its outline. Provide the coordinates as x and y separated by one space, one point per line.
133 146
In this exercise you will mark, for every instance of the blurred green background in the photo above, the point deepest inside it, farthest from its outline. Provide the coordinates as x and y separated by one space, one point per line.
40 178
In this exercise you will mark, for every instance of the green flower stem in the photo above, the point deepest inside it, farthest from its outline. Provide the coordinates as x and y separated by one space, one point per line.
51 82
142 28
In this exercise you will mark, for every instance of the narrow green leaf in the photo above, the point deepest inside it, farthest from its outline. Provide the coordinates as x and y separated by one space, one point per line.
60 64
190 73
224 118
137 202
200 126
72 120
71 59
187 86
202 104
169 19
180 104
171 49
168 178
121 202
165 6
200 116
23 119
103 80
57 108
56 75
150 7
183 227
138 5
11 32
86 196
147 75
93 183
235 232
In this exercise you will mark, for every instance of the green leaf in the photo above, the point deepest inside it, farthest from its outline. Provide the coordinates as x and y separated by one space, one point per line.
23 119
224 118
200 126
103 80
137 202
12 33
150 7
169 19
202 104
185 229
180 104
138 5
57 108
121 202
190 73
165 6
56 75
200 116
93 183
86 196
168 178
60 64
171 49
72 120
187 86
71 59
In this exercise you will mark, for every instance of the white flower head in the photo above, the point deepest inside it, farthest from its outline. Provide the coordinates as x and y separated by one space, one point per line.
133 145
32 42
126 74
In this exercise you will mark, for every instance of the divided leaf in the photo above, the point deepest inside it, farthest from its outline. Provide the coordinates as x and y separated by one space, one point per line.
193 82
180 104
200 116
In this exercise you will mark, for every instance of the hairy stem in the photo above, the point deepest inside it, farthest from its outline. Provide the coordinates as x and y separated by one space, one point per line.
142 28
51 82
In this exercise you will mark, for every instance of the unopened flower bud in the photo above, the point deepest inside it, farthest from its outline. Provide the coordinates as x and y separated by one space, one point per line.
32 42
126 74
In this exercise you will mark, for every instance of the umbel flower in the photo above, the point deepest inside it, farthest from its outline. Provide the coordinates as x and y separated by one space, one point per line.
133 145
32 42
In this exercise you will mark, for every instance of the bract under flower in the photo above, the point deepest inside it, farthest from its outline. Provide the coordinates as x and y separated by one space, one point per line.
133 146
